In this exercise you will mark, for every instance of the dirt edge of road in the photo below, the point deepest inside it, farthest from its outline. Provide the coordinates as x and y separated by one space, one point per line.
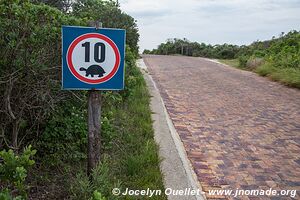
175 165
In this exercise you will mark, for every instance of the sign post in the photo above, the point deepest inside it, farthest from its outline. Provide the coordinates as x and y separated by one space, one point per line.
93 60
94 129
94 123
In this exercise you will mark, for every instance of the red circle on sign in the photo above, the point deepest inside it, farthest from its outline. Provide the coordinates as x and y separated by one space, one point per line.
82 78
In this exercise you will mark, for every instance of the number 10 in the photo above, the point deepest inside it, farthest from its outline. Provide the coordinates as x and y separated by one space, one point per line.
99 46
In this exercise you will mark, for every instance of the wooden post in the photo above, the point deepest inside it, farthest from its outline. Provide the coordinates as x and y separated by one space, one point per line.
94 126
94 123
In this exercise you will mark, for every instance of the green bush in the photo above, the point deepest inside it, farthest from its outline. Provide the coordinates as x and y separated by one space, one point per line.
259 53
66 131
83 188
243 61
284 52
265 69
97 196
13 169
280 56
30 40
108 132
185 47
5 195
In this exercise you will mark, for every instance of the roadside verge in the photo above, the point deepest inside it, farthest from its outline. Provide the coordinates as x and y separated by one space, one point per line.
175 166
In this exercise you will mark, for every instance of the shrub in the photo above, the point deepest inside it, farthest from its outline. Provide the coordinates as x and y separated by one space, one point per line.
66 131
243 61
30 40
83 188
13 169
284 52
5 195
265 69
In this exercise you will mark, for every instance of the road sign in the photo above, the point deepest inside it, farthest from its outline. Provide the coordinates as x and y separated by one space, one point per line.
93 58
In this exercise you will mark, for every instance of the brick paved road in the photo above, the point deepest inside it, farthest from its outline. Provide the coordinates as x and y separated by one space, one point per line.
239 130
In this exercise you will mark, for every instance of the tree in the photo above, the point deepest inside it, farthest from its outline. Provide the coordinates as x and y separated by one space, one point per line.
63 5
146 51
111 16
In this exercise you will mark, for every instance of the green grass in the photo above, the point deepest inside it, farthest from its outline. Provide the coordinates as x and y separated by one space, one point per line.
131 156
136 153
286 76
231 62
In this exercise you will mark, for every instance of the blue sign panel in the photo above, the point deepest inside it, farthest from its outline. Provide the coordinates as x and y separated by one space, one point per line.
92 58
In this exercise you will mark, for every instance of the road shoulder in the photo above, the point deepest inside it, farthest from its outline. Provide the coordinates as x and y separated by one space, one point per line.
175 166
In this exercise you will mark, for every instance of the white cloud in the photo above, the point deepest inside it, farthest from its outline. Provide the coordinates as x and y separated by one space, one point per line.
212 21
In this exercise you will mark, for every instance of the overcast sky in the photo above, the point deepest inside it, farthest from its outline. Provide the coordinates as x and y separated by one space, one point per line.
212 21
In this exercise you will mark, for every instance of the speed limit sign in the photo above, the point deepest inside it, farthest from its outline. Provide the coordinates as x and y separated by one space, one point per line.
93 58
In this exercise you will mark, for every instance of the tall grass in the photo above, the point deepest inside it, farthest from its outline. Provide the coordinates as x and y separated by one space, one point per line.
131 161
287 76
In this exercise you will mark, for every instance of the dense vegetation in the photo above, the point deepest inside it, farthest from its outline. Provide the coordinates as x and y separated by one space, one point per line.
37 114
278 58
187 48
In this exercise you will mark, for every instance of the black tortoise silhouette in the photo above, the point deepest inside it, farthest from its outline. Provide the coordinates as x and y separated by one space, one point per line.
93 70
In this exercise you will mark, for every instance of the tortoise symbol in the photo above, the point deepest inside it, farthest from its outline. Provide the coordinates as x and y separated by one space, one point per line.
93 70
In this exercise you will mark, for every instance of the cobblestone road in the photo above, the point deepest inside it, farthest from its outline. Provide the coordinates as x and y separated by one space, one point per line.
239 130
